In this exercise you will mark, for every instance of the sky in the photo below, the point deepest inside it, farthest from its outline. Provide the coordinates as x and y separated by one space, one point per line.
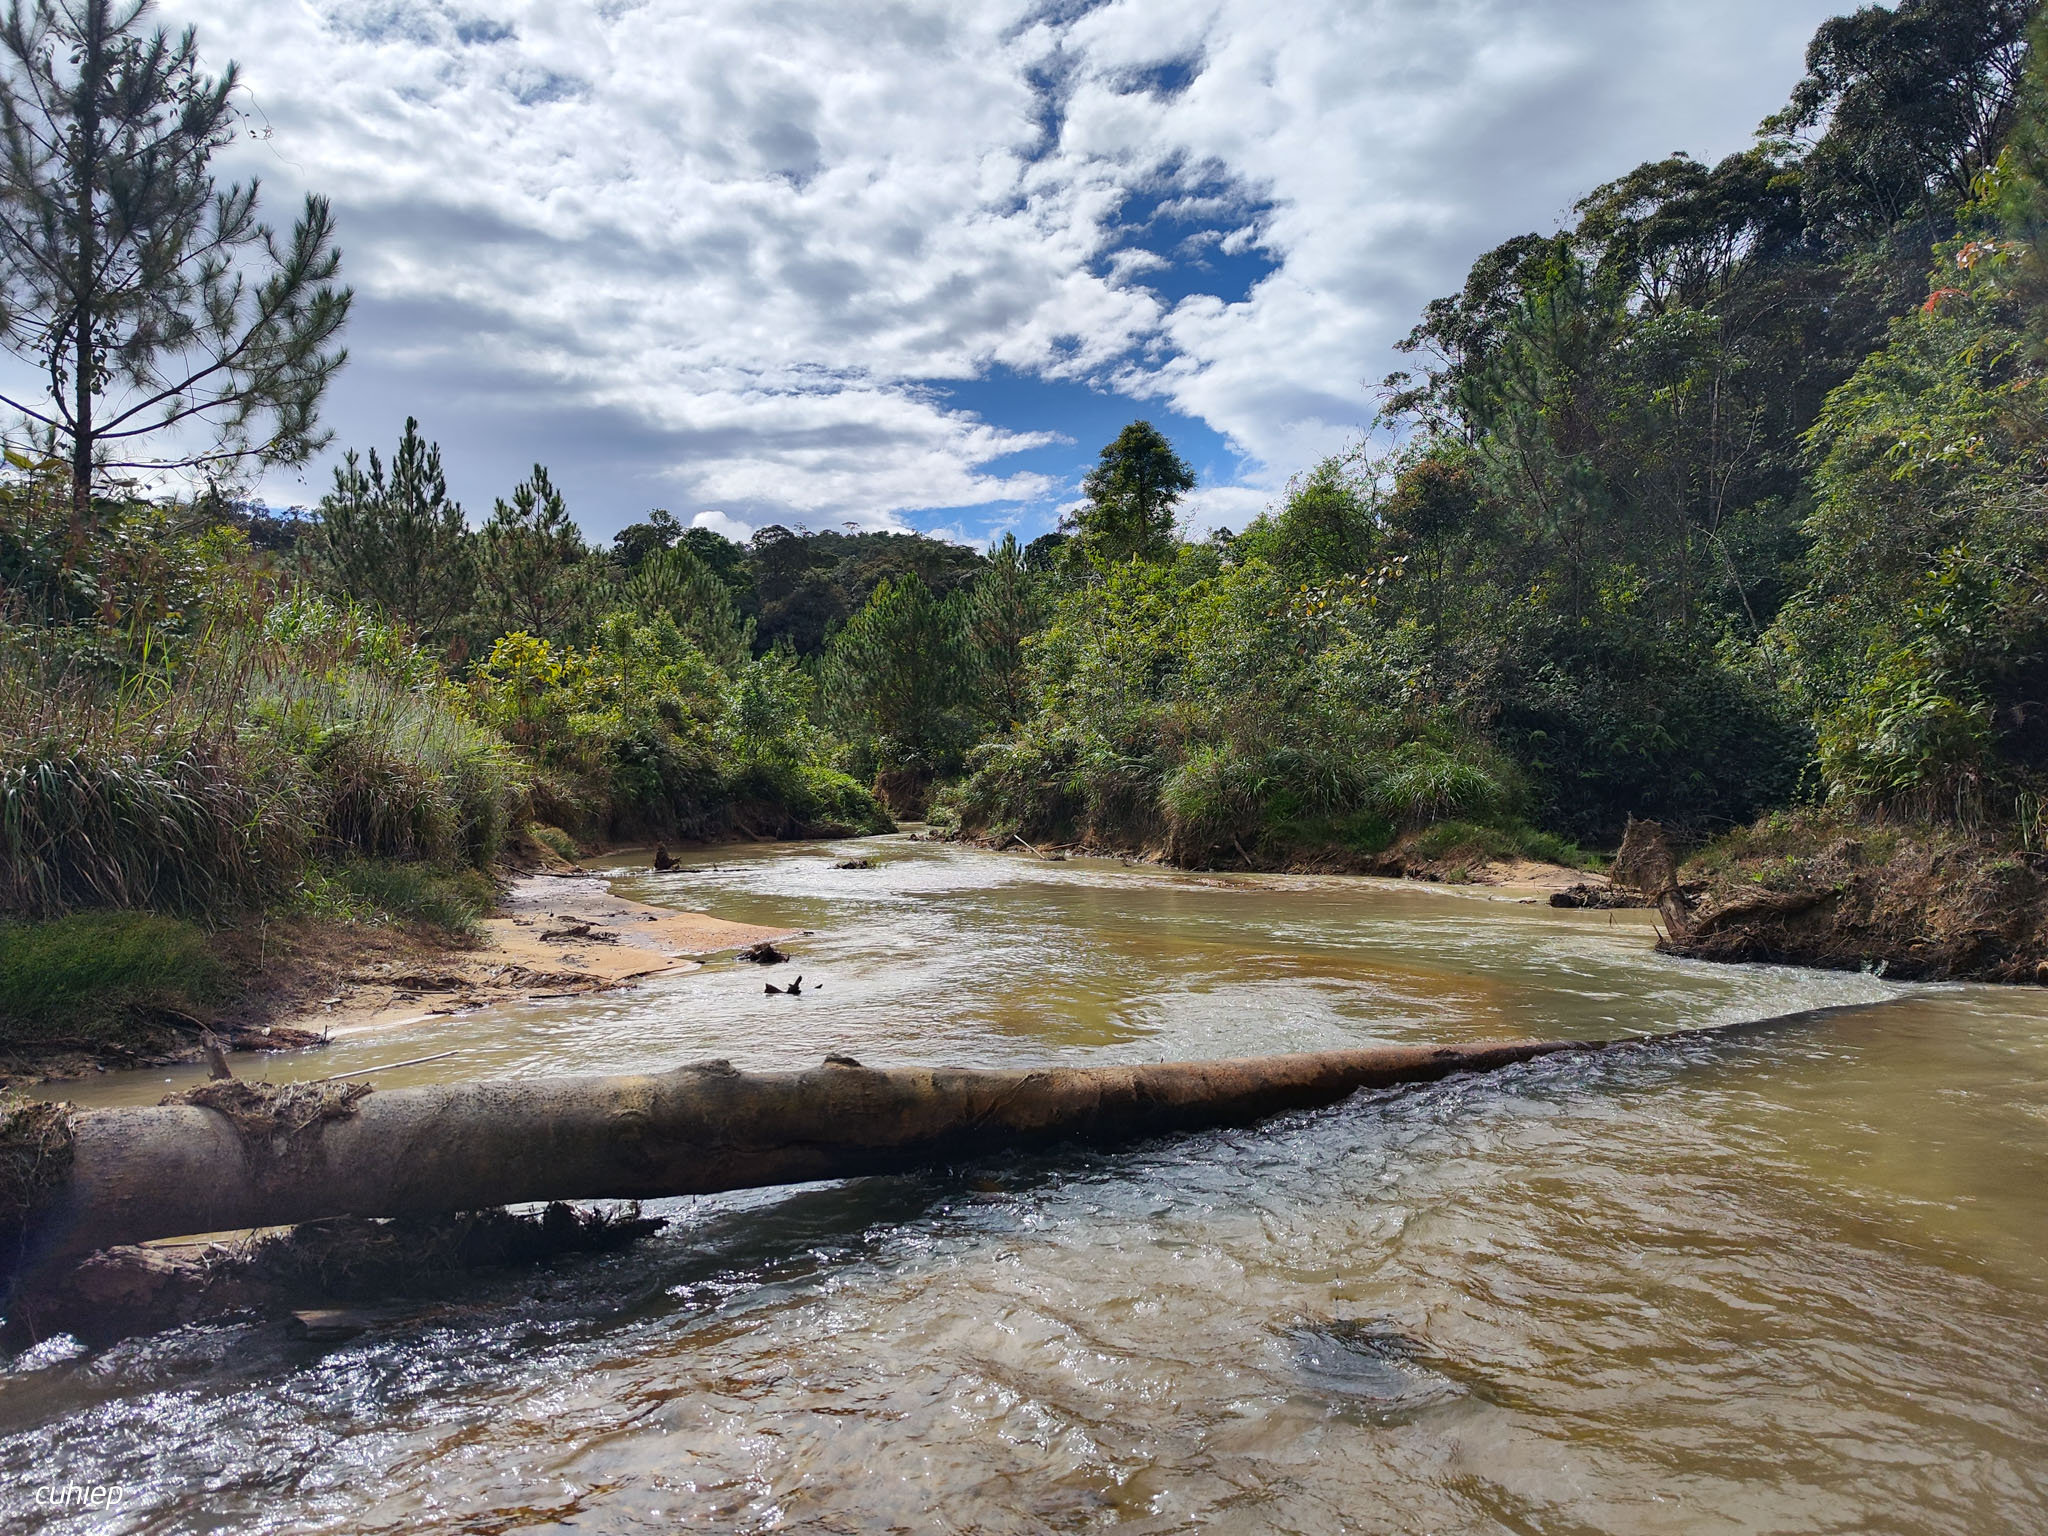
911 263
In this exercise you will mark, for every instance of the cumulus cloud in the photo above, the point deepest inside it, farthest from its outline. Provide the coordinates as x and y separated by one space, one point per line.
727 527
725 254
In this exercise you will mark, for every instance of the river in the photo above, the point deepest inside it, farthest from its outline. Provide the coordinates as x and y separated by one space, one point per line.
1796 1281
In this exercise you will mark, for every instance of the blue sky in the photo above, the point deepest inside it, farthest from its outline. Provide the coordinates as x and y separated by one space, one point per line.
910 263
1084 417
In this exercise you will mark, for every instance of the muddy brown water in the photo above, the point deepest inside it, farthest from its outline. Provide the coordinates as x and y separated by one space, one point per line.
1794 1282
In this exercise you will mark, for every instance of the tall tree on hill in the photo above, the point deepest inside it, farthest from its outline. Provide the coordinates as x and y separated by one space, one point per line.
1136 483
395 539
1907 106
173 330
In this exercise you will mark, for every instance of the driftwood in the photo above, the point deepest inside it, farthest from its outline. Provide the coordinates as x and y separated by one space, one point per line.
276 1157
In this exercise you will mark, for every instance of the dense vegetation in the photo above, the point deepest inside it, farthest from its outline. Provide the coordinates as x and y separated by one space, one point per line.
1707 505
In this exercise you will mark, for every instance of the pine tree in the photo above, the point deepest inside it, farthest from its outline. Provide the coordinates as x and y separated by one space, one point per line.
1003 611
898 675
396 540
152 302
675 582
532 567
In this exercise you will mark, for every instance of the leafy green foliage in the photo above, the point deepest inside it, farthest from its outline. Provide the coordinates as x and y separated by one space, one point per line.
1228 713
806 586
1328 527
1919 642
1136 483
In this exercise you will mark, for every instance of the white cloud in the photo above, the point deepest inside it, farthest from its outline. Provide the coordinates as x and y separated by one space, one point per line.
709 253
726 527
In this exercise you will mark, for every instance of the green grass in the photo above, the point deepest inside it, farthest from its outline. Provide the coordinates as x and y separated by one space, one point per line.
87 975
373 891
556 841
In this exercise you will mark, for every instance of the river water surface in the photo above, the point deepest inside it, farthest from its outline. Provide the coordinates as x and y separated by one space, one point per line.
1795 1282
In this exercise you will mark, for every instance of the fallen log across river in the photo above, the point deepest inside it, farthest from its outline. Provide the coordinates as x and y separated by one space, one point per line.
239 1155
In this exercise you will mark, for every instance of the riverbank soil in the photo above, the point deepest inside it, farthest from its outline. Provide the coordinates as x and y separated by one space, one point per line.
290 983
1923 903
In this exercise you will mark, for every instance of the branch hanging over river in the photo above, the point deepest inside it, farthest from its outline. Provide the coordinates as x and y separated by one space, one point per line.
274 1157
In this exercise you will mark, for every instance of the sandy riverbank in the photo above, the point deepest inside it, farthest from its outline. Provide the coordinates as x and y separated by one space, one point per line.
551 935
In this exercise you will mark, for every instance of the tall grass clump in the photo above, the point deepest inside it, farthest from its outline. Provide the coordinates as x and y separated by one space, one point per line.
139 794
200 779
88 972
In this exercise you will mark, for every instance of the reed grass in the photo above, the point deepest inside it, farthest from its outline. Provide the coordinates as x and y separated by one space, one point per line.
203 780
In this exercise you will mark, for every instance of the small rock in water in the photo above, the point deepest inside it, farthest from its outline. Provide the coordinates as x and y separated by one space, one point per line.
855 864
763 953
1371 1363
328 1325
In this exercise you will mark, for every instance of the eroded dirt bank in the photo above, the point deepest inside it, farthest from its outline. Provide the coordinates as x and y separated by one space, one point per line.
1917 904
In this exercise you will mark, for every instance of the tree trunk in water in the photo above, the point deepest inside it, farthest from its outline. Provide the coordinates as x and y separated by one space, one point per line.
277 1157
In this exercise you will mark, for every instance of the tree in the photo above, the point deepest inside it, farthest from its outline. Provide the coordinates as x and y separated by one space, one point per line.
898 674
1324 529
152 301
1911 103
396 540
532 569
1132 491
727 560
1004 610
636 541
675 582
1434 505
